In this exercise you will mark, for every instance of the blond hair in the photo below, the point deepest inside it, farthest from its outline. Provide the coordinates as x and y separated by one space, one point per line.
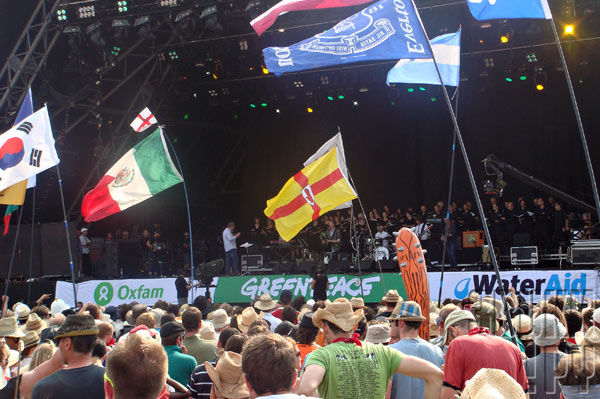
42 353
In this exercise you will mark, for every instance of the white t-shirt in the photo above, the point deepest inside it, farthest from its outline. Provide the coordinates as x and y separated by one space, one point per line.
84 240
383 235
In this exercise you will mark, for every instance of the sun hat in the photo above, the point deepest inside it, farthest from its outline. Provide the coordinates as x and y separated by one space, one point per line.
590 338
22 312
76 326
492 383
171 328
13 357
227 376
247 317
547 330
596 316
378 334
357 302
34 323
485 314
340 313
84 229
391 296
9 328
524 326
31 339
220 318
266 303
498 305
310 302
474 296
456 317
307 321
207 331
58 306
407 311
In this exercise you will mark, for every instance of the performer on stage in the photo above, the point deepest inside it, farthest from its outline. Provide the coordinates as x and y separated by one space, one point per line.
229 242
332 239
86 265
320 283
382 240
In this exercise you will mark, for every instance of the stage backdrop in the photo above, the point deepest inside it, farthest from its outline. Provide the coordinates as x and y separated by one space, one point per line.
532 284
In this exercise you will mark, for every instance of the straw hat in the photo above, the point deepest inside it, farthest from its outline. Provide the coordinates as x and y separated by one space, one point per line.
357 302
220 318
524 326
9 328
247 317
548 330
498 305
31 339
77 325
13 358
455 317
228 377
474 296
340 313
407 311
58 306
34 323
22 311
378 334
207 331
492 383
590 338
391 296
486 315
266 303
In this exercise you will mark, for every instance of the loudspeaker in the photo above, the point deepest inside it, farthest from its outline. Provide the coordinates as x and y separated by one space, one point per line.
211 269
521 239
285 268
129 257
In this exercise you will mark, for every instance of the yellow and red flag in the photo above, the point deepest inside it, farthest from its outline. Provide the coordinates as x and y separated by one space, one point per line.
312 192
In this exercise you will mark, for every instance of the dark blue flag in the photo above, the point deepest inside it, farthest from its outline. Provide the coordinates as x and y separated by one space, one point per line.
387 30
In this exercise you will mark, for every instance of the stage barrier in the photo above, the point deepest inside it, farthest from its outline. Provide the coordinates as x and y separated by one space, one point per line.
534 285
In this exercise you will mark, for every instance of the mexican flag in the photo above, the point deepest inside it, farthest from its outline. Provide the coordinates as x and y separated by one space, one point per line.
144 171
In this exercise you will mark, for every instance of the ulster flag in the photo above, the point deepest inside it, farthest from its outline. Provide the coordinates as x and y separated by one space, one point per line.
143 121
315 190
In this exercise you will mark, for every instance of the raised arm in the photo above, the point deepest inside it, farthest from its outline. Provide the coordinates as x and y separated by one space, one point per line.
418 368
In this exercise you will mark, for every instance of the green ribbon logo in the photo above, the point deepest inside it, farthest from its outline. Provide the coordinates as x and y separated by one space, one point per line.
103 293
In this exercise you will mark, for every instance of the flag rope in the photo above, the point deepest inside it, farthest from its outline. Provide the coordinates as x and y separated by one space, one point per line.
14 250
31 247
62 200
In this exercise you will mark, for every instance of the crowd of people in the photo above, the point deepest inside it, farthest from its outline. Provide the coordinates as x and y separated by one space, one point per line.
291 347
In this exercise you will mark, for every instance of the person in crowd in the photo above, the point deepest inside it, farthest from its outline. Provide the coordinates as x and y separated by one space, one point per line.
357 303
547 333
201 349
349 368
285 299
289 314
473 348
34 324
11 333
492 383
31 342
220 321
105 333
136 368
42 353
578 376
523 326
247 318
299 302
227 377
405 323
564 346
440 321
99 352
306 335
230 246
377 333
320 283
489 313
182 287
270 382
80 378
181 365
390 300
266 305
574 323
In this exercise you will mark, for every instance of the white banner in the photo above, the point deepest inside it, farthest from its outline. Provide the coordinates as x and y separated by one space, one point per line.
116 292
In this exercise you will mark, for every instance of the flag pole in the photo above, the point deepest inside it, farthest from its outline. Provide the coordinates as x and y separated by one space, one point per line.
473 183
448 203
62 199
14 251
31 251
586 150
189 215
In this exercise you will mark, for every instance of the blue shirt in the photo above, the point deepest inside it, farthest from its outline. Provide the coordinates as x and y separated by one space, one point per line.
408 387
181 366
229 240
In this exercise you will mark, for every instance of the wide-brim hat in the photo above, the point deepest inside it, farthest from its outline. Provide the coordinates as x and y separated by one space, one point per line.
496 383
524 326
455 317
378 334
22 312
391 296
76 326
207 331
548 330
486 315
31 339
220 318
228 377
340 313
357 303
590 338
266 303
34 323
498 305
407 311
248 317
9 328
58 306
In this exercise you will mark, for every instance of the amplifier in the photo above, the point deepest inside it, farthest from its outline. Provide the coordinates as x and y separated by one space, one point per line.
584 252
524 255
253 263
473 239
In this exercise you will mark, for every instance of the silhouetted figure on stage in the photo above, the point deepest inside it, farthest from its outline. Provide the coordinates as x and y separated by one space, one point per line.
232 264
450 238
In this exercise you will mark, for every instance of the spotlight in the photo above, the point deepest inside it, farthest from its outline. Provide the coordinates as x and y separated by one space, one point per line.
330 98
341 97
144 27
422 88
115 51
531 58
410 90
265 70
95 33
540 78
508 79
61 15
122 6
355 103
569 29
173 55
252 106
243 45
298 84
504 39
489 62
523 77
539 87
168 3
309 110
263 104
87 12
277 110
213 93
324 80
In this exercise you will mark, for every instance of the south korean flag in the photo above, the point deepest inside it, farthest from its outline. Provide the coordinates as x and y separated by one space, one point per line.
27 149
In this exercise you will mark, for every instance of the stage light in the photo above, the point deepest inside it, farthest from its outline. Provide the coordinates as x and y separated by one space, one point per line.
213 93
355 103
341 97
186 116
277 110
523 77
265 70
569 29
309 110
433 99
422 88
330 98
298 84
214 76
243 45
95 33
173 55
122 6
489 62
508 79
115 51
504 39
87 12
252 106
531 57
61 15
263 105
168 3
393 103
324 80
539 87
144 27
411 90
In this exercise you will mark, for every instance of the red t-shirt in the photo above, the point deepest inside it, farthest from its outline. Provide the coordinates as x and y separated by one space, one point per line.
277 313
468 354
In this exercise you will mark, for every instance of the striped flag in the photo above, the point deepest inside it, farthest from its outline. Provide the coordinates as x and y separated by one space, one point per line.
312 192
144 171
9 210
268 18
446 49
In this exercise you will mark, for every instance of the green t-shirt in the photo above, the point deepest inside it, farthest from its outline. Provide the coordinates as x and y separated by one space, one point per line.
202 350
355 372
506 336
181 366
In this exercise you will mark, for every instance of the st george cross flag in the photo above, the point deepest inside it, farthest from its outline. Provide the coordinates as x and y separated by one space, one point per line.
507 9
143 172
312 192
389 29
268 18
27 149
143 121
446 49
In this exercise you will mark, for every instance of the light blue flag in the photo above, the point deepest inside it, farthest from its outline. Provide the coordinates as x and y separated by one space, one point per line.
507 9
446 49
386 30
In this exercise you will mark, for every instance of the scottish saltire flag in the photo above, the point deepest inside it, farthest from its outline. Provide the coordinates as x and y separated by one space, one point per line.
386 30
507 9
446 49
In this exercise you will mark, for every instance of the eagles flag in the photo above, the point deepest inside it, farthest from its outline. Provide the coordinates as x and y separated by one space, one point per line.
310 193
386 30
